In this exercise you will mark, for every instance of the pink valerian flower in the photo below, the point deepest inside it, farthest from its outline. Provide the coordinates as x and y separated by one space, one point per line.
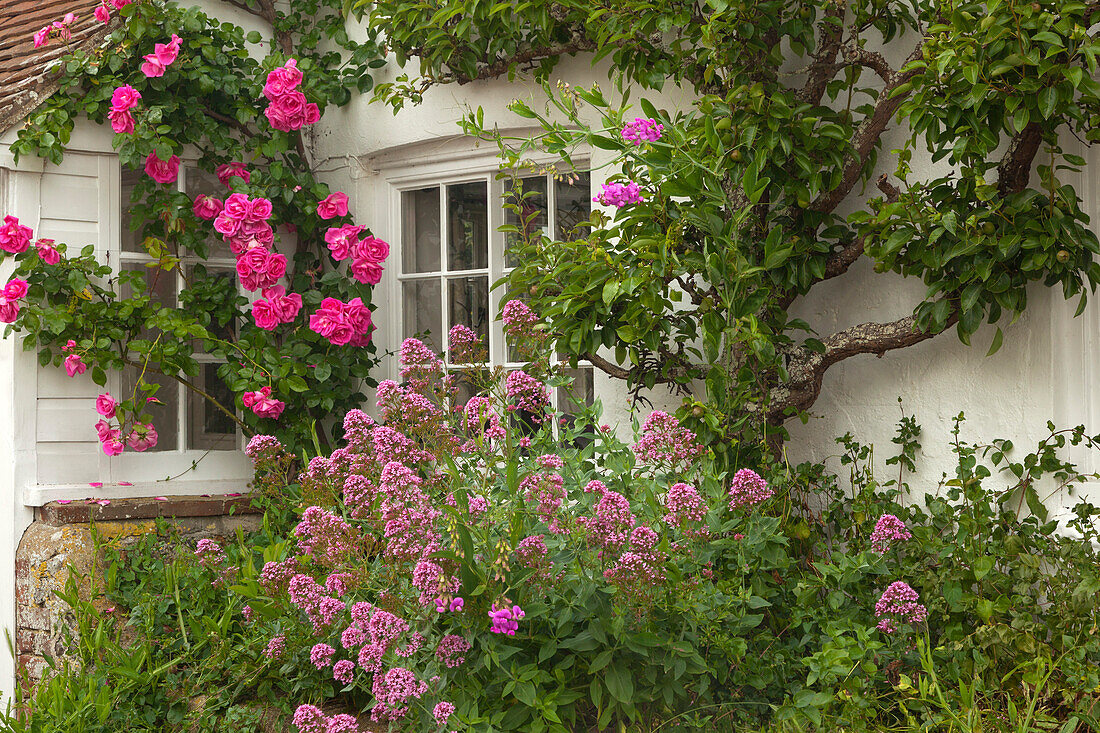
899 604
263 404
391 692
325 536
642 566
263 447
162 171
357 429
519 320
344 671
276 647
354 636
665 441
612 521
527 393
47 252
74 365
548 490
309 719
747 489
234 169
442 712
686 509
342 723
505 619
333 205
888 529
642 130
481 420
164 54
276 307
619 194
276 576
343 324
14 237
248 613
338 583
531 553
419 364
464 344
321 655
105 405
142 437
451 650
210 554
207 207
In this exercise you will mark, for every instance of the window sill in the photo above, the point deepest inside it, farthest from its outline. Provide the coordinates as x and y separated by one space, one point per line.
42 494
82 512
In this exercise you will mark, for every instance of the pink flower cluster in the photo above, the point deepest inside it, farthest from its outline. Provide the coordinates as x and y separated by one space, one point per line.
10 296
442 712
263 447
276 307
142 436
642 566
366 255
481 420
392 691
57 29
342 323
526 393
519 320
548 490
619 194
263 404
210 554
464 344
748 488
451 649
613 520
163 56
333 205
123 99
162 171
287 107
14 237
686 509
276 647
505 619
642 130
419 364
665 440
899 604
888 529
321 655
102 12
325 536
233 169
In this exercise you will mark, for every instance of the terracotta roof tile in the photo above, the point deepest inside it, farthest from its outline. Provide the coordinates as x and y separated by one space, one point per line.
25 81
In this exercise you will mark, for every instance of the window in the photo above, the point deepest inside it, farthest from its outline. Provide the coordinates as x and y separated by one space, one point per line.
451 253
186 421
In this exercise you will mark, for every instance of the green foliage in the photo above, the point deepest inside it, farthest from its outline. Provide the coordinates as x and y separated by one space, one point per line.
208 103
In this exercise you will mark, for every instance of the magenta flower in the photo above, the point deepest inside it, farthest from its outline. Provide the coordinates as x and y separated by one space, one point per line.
747 489
899 604
105 405
162 171
642 130
333 205
619 194
234 169
14 237
74 365
164 54
344 671
888 529
47 252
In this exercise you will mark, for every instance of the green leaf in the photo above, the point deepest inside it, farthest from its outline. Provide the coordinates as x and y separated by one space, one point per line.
620 684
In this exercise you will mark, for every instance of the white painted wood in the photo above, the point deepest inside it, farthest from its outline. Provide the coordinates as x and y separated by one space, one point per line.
66 420
43 494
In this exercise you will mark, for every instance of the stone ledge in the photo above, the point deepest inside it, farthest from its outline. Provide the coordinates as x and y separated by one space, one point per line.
85 510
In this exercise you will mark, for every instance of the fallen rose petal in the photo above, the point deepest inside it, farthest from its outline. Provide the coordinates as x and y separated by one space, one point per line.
96 484
124 483
160 498
64 501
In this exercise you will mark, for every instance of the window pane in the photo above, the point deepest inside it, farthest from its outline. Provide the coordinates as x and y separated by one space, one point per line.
572 205
469 304
533 216
160 285
227 279
197 181
208 428
423 313
467 226
420 230
165 417
131 241
577 396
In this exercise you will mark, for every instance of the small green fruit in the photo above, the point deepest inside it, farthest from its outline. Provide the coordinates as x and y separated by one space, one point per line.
1062 256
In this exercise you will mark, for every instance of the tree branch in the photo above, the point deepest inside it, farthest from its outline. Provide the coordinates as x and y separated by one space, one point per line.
1014 170
807 368
824 67
859 56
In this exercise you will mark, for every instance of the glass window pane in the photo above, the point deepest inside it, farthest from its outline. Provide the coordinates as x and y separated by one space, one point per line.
165 417
532 217
131 241
420 230
468 300
467 226
574 398
227 278
572 205
208 428
423 314
160 284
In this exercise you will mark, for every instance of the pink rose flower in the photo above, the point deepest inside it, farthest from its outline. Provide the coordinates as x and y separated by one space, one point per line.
372 249
369 273
259 209
113 446
105 405
101 13
162 171
333 205
206 207
234 169
166 53
237 206
46 251
15 289
14 237
252 260
121 121
9 310
251 398
226 225
313 114
275 267
358 315
143 437
268 407
125 97
75 365
264 315
283 80
152 66
103 430
341 240
120 4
